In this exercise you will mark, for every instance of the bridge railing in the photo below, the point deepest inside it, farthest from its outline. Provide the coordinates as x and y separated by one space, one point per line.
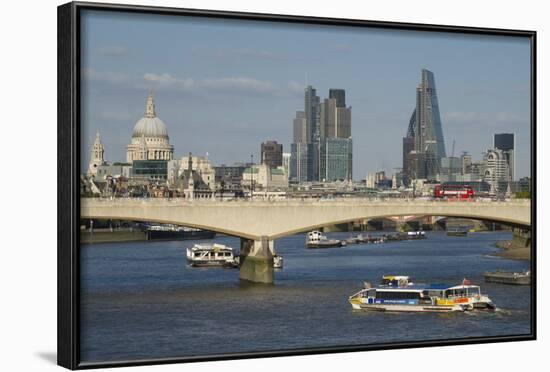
308 201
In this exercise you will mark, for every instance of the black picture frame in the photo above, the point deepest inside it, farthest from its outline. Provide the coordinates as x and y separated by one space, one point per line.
69 153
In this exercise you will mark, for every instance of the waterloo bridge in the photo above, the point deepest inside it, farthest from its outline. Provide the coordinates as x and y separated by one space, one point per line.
259 222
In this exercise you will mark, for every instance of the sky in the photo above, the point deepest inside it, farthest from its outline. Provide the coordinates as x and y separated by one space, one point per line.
222 87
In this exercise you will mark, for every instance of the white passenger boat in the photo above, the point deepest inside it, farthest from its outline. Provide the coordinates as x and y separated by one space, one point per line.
421 298
316 239
211 255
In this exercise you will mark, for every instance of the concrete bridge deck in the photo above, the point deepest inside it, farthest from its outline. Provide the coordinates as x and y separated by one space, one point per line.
259 222
275 219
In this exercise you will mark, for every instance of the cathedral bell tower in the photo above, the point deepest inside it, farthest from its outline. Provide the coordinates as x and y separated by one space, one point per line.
97 155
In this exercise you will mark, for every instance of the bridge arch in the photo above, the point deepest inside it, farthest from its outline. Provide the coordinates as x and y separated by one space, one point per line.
253 220
213 228
318 226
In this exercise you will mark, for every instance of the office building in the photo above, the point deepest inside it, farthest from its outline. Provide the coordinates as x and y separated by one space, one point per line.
496 171
506 142
322 145
339 95
335 143
426 131
335 121
466 161
304 166
152 170
311 111
264 177
286 163
304 161
370 181
408 147
300 127
336 159
271 154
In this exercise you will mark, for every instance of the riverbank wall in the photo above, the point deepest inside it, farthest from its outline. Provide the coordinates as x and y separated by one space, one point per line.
108 236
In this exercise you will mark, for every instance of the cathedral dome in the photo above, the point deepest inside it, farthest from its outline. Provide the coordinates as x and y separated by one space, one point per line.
150 126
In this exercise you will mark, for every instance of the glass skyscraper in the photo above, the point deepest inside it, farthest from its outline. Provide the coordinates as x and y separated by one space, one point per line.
339 95
426 131
304 162
336 159
322 147
311 109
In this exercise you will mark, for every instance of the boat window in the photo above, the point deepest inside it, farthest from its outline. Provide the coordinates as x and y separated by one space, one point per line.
397 295
459 292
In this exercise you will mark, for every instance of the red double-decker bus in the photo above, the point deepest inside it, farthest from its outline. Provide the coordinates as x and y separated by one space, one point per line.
454 191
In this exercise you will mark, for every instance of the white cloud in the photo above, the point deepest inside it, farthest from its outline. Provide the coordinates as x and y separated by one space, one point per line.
165 81
242 84
109 77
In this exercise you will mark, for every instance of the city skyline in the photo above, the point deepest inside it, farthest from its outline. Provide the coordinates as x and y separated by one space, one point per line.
238 91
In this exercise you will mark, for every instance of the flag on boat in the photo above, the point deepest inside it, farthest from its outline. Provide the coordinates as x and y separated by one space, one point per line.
466 282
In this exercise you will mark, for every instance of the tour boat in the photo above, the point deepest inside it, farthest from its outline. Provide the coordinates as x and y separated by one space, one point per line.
408 297
210 255
316 239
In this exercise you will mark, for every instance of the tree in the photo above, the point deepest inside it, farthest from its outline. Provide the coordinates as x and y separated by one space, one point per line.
523 195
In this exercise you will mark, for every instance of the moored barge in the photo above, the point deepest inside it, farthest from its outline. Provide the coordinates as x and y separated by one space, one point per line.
173 232
507 277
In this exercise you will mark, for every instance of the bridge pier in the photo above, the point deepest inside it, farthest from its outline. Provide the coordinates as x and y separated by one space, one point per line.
256 260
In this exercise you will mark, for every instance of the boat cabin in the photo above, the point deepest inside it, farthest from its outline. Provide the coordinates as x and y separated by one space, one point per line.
395 280
315 236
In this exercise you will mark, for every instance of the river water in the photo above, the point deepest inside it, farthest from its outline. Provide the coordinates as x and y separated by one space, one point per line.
141 300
